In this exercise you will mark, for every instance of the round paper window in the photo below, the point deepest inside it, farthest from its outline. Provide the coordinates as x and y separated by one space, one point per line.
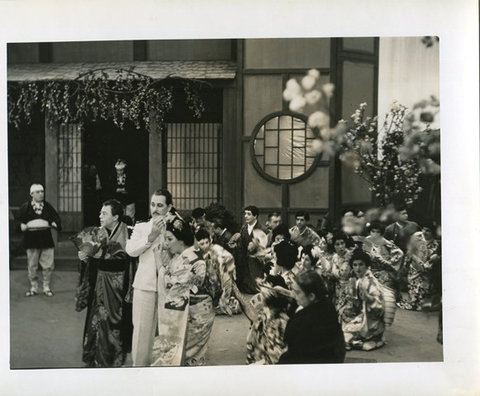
281 147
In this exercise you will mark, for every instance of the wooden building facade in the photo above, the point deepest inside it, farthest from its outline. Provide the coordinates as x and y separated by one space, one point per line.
230 155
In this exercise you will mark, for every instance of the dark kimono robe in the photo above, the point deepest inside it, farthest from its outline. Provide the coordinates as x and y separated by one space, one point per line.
108 326
314 335
248 268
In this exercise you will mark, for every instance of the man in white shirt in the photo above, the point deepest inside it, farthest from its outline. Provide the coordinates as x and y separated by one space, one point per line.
145 237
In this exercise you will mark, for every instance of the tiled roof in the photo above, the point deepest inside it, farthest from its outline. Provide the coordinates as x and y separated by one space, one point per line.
154 69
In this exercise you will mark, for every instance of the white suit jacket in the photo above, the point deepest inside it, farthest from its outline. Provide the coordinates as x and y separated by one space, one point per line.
137 246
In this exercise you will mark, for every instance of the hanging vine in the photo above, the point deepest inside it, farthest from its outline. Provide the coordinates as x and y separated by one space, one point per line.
117 94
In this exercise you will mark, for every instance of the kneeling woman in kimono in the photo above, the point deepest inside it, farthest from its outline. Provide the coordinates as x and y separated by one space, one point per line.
269 318
365 328
186 309
108 328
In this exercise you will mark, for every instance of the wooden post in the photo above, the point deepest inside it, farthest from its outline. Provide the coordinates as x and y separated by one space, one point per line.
51 170
155 158
231 197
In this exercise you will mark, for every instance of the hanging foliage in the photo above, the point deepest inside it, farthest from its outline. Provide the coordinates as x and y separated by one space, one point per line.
117 94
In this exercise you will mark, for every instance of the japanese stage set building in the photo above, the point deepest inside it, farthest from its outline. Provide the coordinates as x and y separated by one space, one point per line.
243 150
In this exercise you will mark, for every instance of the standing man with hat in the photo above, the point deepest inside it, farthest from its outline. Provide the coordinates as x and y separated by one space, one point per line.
37 217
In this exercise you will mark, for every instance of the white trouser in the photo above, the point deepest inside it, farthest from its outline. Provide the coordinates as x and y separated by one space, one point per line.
44 257
144 318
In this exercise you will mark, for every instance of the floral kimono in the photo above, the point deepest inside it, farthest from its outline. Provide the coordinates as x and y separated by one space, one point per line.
342 293
107 332
266 337
186 311
336 262
220 278
363 325
419 269
387 261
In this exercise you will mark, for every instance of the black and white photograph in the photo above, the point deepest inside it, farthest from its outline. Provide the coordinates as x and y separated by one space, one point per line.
244 205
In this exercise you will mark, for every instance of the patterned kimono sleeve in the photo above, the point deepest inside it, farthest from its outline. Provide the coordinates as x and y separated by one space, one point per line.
370 291
277 345
419 262
393 256
226 269
314 238
185 277
198 273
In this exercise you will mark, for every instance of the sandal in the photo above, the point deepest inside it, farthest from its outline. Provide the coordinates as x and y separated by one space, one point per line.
48 293
30 293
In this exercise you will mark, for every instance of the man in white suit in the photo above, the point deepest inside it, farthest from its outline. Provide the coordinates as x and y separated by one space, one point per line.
145 238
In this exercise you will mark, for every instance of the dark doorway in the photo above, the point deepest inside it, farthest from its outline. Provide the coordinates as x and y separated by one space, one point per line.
103 144
26 158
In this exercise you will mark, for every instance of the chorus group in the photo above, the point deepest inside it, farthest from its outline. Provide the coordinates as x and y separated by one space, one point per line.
154 288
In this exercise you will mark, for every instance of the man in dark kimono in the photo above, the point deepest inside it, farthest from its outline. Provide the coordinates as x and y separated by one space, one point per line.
37 217
108 329
249 265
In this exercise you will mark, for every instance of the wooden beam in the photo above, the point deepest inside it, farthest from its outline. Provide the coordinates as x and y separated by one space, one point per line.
51 169
156 158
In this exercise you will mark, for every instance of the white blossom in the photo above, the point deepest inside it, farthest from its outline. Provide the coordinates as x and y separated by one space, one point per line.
294 86
313 97
326 133
298 103
318 120
288 95
328 89
308 82
317 146
314 73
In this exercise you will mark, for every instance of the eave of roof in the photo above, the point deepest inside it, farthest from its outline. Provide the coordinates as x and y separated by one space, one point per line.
155 69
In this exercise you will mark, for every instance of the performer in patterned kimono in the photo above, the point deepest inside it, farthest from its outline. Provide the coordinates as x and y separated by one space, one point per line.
343 246
186 310
220 273
366 329
107 334
301 234
419 272
269 318
386 263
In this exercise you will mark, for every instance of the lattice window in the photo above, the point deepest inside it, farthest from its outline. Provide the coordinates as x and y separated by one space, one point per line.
194 171
282 147
69 168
